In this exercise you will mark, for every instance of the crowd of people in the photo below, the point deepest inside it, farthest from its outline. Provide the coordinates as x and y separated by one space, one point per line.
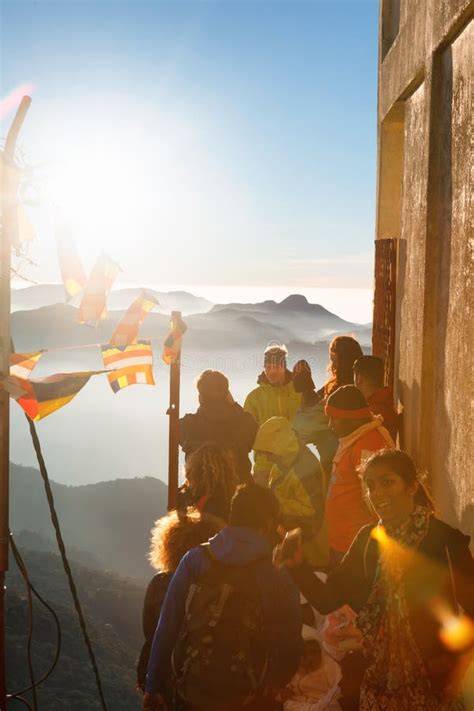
318 578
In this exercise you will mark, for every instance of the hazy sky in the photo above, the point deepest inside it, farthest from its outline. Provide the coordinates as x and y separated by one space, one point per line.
212 143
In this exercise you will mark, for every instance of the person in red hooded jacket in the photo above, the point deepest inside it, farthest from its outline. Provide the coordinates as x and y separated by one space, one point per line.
369 378
360 433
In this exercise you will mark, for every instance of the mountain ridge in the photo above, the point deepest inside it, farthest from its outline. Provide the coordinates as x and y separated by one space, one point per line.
222 327
110 520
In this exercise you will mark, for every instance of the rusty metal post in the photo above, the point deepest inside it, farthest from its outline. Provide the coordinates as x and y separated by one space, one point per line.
9 230
173 412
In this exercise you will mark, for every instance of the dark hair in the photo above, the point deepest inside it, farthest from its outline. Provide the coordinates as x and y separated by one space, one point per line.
371 368
253 506
212 386
348 350
347 397
402 464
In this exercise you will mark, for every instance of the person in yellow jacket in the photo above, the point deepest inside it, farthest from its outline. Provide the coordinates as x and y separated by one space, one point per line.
274 396
298 482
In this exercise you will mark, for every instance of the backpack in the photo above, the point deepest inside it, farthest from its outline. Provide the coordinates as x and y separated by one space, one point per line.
220 657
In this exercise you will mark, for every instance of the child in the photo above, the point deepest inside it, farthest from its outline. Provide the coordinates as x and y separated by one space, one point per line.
315 686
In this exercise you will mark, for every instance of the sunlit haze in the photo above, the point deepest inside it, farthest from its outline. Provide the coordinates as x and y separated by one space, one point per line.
199 143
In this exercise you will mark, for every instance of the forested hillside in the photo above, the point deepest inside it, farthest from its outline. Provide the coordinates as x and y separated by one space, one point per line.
110 520
112 607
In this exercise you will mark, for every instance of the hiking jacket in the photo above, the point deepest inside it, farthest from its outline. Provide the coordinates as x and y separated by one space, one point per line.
267 401
225 424
311 426
346 509
351 582
381 403
298 482
280 603
154 598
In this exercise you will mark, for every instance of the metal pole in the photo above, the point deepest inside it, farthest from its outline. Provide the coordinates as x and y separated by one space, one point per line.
173 412
9 231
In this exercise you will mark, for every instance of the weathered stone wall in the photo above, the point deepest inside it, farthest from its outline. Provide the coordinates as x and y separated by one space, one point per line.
452 436
425 95
411 272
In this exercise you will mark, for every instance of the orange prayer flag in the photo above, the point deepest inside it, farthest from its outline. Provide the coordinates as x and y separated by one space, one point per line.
21 364
127 329
70 265
172 344
93 306
39 398
128 365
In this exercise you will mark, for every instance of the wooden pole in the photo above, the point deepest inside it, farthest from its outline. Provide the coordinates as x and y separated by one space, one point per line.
8 236
173 412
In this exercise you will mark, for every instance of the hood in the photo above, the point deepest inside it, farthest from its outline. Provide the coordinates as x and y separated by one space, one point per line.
382 396
277 436
236 545
263 380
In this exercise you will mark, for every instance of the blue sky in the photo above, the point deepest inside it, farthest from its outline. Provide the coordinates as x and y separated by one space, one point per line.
203 142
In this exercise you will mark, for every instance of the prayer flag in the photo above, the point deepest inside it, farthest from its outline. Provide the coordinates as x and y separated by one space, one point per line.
127 329
70 265
39 398
93 306
172 344
128 365
21 364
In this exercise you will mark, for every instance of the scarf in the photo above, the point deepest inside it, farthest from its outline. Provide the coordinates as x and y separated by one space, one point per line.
396 678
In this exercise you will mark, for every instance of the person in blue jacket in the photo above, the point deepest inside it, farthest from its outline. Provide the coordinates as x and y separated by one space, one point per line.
247 540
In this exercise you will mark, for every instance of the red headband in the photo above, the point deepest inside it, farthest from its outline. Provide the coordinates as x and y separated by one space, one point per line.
341 414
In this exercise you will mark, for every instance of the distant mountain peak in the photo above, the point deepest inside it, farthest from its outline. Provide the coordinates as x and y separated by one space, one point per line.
295 301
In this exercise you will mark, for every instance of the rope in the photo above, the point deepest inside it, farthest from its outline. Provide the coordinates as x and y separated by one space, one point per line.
33 683
22 567
67 567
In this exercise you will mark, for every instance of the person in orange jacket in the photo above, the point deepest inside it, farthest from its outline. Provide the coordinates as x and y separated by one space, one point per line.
360 433
369 378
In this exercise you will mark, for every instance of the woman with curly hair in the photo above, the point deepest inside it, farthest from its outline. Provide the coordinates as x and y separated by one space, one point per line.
211 480
343 352
172 536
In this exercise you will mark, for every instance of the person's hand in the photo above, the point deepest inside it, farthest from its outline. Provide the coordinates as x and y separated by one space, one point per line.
302 380
154 702
282 559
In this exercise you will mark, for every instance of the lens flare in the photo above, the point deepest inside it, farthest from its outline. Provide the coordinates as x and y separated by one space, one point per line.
457 630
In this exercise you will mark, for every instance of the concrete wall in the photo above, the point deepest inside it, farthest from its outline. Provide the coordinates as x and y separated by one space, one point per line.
425 188
453 387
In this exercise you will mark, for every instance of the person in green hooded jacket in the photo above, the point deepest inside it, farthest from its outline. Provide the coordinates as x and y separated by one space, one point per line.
299 483
274 396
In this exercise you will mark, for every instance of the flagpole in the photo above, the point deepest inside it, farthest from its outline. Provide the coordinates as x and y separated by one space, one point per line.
9 232
173 412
